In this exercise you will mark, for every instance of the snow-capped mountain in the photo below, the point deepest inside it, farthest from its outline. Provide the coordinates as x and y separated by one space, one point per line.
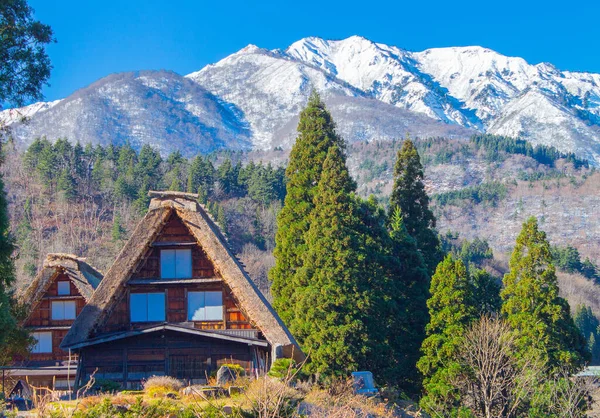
474 87
157 107
252 99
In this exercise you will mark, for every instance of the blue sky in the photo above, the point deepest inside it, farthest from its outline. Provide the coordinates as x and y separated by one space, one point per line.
96 38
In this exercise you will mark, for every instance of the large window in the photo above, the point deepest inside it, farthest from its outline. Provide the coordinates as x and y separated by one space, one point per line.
176 264
147 307
64 288
205 306
43 342
63 310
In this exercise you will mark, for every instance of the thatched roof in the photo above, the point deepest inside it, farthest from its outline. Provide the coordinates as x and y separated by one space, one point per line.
85 277
214 244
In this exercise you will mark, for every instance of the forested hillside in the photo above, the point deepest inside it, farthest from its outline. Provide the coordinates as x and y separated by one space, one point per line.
87 199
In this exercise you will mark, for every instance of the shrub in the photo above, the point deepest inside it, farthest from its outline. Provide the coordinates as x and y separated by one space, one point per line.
106 386
285 368
162 386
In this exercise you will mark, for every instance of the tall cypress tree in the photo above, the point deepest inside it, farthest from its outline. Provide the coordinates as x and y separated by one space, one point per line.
534 310
316 134
451 311
333 309
409 195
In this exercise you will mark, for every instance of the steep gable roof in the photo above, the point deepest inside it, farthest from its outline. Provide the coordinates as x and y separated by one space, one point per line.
209 237
85 277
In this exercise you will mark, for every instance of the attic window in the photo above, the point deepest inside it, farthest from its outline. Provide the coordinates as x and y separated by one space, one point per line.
205 306
64 288
43 342
176 264
147 307
62 310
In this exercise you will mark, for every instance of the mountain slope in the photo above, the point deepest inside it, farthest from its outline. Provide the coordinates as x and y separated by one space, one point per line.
157 107
251 99
271 89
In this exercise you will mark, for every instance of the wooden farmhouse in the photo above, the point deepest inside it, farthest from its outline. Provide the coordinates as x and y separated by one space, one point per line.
55 298
176 302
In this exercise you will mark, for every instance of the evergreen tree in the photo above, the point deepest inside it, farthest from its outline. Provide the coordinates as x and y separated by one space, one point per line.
539 317
486 292
409 195
316 134
409 291
331 309
201 174
117 229
451 311
66 184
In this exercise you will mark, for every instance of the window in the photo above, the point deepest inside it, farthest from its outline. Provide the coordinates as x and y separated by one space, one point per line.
43 342
147 307
205 306
63 310
176 264
64 288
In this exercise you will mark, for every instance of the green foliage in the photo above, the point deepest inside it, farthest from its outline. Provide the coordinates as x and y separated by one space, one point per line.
543 154
488 193
408 291
451 310
568 259
25 66
117 229
316 134
334 298
106 386
589 326
286 368
409 195
539 317
485 292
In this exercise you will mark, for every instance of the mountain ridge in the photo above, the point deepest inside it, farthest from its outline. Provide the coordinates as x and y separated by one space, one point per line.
376 91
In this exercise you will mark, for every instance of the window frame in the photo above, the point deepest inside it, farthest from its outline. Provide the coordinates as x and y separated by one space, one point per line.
147 306
63 282
189 271
191 313
63 303
38 342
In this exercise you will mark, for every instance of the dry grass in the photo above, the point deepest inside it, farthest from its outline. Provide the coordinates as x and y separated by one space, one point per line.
158 386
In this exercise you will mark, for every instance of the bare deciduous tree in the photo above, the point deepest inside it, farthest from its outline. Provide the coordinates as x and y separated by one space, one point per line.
494 383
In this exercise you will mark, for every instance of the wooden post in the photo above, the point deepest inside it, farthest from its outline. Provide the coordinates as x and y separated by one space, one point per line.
125 371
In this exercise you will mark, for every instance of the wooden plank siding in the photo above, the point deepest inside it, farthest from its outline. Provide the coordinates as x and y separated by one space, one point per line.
175 232
190 358
40 319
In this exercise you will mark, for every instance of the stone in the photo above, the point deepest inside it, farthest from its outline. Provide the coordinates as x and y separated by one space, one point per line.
225 375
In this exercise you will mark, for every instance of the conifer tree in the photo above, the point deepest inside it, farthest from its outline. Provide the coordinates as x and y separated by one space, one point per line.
316 134
117 229
331 313
409 291
409 195
539 317
450 311
66 184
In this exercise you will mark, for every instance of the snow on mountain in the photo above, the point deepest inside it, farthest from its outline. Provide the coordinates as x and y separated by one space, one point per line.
159 108
474 87
271 88
252 99
10 116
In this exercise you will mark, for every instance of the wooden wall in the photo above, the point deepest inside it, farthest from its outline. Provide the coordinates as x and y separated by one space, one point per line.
175 231
170 353
40 319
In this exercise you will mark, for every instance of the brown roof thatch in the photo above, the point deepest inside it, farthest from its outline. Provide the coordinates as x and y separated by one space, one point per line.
85 277
214 244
